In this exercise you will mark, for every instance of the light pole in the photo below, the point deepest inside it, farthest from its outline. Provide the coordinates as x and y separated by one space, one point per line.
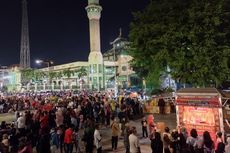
115 76
48 63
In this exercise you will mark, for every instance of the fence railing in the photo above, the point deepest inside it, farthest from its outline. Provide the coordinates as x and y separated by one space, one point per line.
59 87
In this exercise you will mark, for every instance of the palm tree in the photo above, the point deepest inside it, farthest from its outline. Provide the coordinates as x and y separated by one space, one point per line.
68 73
52 75
81 73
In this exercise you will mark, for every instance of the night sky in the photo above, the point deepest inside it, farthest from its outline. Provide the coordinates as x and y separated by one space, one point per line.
59 29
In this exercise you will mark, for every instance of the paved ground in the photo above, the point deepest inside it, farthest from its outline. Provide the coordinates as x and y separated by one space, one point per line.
8 117
169 120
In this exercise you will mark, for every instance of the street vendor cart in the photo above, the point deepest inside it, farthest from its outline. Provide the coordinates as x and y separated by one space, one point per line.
200 109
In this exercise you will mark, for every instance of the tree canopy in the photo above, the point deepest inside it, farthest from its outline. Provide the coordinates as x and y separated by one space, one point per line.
192 37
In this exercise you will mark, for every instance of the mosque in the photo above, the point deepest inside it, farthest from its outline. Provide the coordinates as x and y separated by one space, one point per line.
108 71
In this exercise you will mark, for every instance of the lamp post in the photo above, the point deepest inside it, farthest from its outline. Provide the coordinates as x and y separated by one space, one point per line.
48 63
115 76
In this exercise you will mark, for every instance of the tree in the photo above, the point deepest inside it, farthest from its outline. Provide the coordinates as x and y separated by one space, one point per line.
59 75
189 36
52 75
27 75
68 73
39 75
82 72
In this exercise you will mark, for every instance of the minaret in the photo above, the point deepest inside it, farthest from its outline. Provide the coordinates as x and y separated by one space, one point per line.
96 67
25 46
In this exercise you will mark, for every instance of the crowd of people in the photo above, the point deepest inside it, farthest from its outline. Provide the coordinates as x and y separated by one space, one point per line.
58 122
51 122
180 141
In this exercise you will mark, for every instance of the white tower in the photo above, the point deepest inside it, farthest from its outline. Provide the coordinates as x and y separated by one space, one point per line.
95 59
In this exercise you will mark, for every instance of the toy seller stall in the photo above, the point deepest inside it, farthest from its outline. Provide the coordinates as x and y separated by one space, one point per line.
152 106
201 109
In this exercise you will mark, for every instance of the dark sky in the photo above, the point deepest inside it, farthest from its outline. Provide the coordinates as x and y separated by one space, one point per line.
59 29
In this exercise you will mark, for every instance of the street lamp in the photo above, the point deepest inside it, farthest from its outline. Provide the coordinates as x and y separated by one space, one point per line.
48 63
115 76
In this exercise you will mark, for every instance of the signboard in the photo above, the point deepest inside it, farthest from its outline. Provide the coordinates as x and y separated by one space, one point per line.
198 101
199 118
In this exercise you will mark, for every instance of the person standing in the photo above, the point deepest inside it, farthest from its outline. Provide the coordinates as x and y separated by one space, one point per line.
88 138
166 140
208 143
68 140
5 143
227 147
21 124
192 141
97 139
115 133
161 104
220 146
77 140
126 137
134 141
54 141
156 143
166 143
107 114
43 145
144 127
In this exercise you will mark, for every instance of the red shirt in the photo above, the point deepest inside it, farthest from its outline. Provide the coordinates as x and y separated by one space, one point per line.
68 136
44 121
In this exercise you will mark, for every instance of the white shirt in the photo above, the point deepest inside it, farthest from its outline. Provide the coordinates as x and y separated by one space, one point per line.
21 122
97 138
134 143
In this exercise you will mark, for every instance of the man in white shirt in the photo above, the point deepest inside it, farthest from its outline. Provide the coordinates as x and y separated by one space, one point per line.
134 141
21 124
97 139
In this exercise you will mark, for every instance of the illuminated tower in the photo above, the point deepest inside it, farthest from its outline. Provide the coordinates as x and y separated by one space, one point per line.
25 46
95 59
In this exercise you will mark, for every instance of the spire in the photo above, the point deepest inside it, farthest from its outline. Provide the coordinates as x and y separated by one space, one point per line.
96 2
25 46
120 32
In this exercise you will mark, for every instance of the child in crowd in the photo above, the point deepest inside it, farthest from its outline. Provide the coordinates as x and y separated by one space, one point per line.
144 127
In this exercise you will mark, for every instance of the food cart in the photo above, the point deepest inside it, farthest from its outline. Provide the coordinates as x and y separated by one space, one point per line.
201 109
